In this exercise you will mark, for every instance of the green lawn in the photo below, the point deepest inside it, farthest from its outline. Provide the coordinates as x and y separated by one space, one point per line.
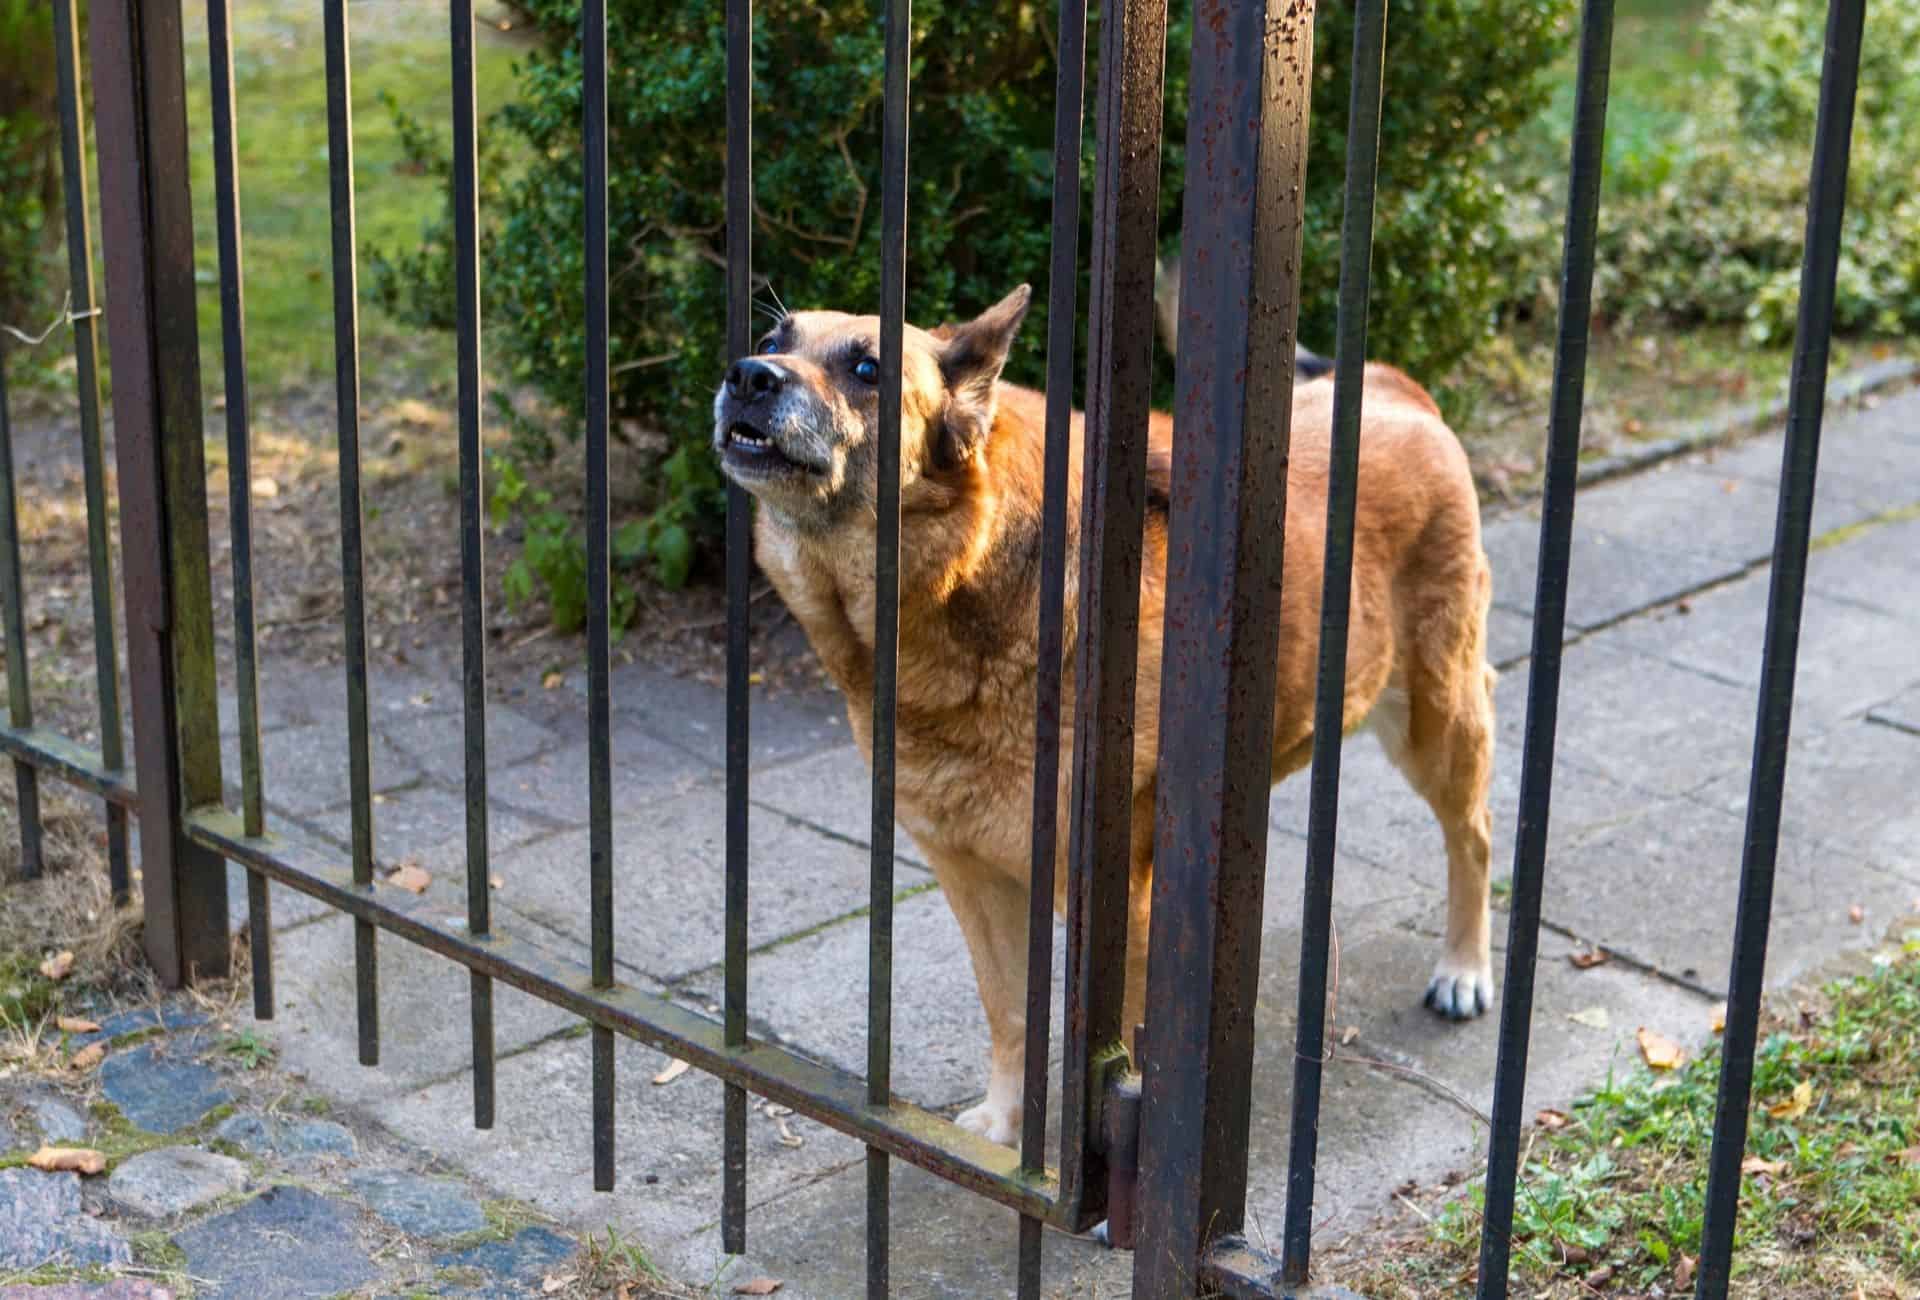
398 47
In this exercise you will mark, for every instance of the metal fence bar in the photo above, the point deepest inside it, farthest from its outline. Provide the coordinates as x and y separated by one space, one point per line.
1240 250
473 599
86 377
226 193
1133 42
733 1186
1793 530
74 764
346 365
1549 631
593 63
1063 286
139 80
886 618
1330 698
26 777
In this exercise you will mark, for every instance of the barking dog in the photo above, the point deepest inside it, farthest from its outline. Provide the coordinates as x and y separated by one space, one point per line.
796 425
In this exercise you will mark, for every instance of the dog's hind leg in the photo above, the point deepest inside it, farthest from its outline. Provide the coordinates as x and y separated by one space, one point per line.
1435 721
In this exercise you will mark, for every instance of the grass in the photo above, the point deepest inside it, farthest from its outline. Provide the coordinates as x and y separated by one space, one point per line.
1613 1197
397 47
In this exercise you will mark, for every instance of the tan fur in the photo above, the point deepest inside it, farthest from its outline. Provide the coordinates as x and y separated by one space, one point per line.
968 642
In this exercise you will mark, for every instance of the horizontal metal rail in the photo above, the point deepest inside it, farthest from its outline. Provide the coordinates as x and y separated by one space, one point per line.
821 1092
68 761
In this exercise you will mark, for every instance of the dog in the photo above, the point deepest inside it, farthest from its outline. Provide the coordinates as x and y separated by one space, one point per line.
796 425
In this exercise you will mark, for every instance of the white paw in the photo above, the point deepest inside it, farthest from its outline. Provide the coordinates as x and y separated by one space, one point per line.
994 1122
1461 990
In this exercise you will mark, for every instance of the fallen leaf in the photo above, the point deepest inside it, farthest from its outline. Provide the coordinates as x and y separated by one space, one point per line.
555 1282
1599 1277
1718 1017
58 966
759 1286
672 1072
1553 1120
1349 1035
77 1160
1856 914
1796 1105
264 488
788 1138
497 882
411 877
1660 1053
756 679
1755 1165
1911 1156
88 1057
1633 426
1590 958
1683 1271
76 1025
1592 1018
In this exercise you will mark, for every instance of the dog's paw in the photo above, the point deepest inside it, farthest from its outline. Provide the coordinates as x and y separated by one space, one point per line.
1460 990
993 1122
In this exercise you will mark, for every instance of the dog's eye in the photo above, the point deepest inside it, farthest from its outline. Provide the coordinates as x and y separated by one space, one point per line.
867 370
771 345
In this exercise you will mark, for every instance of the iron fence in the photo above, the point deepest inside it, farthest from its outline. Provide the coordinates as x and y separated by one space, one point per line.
1176 1132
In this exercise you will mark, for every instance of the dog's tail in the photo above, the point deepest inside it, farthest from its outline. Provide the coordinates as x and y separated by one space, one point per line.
1310 365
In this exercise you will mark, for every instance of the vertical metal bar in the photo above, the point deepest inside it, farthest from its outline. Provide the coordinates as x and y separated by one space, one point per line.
346 363
473 601
1793 529
733 1187
147 227
593 42
86 348
1240 246
1329 712
886 618
1133 41
19 692
1549 631
226 195
1062 316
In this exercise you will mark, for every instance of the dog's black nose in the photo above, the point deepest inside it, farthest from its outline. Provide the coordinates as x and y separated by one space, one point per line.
751 377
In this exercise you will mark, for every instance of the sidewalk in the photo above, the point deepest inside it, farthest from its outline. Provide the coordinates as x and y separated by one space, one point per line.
1666 612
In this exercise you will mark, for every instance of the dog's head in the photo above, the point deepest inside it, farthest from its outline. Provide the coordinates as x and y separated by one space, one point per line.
797 423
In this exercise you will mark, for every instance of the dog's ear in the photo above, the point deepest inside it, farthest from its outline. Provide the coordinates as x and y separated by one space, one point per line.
971 363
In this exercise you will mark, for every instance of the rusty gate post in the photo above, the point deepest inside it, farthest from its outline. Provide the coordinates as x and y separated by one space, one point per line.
1246 172
139 81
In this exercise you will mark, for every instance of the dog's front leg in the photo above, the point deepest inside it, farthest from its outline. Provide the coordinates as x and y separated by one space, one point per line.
992 910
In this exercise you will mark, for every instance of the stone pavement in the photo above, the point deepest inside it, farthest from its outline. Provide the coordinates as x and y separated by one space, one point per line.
1667 606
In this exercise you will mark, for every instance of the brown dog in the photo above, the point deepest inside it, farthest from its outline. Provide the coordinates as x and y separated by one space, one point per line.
796 426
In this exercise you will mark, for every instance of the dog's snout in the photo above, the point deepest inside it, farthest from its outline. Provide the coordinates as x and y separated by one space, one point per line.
751 377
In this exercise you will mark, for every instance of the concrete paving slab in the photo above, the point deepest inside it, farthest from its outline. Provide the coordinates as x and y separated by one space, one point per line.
1681 507
1874 567
435 738
692 716
1664 888
669 882
1641 724
1851 656
424 1025
1852 788
1610 577
667 1140
1509 635
304 768
1867 458
833 791
427 824
1902 712
554 786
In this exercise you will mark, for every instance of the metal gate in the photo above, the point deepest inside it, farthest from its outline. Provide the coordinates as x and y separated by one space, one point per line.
1161 1154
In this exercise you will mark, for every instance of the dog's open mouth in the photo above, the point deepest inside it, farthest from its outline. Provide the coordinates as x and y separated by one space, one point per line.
747 448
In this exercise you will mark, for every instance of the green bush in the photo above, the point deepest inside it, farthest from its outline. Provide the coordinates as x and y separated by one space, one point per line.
29 156
1462 74
1712 228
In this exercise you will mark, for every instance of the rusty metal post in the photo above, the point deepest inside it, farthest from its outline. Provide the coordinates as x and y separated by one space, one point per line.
139 79
1246 172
